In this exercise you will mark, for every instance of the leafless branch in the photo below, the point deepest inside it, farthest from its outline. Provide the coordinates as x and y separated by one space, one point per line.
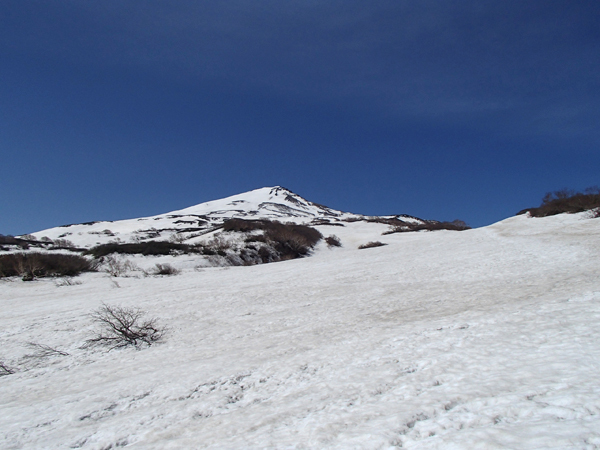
5 370
43 351
121 327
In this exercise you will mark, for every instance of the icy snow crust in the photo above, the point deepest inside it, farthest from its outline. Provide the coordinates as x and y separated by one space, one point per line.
487 338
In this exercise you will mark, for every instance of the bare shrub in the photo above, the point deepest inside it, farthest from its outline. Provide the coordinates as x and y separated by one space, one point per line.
177 238
116 267
5 370
244 225
140 248
122 327
428 225
326 222
333 241
43 351
267 254
371 245
67 281
218 243
285 240
216 260
293 241
165 269
35 265
63 243
566 201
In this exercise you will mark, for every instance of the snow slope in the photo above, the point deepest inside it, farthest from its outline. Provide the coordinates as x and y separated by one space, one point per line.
487 338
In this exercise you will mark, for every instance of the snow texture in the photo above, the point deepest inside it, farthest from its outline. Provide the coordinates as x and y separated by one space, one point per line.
480 339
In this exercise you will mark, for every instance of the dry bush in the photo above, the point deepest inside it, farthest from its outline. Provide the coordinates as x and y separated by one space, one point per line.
333 241
291 240
566 201
67 281
11 240
165 269
267 254
5 370
43 351
140 248
63 243
428 225
177 238
243 225
326 222
284 241
371 245
218 244
35 265
116 267
122 327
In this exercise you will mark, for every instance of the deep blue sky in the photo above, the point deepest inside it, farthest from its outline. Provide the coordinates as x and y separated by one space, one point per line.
469 109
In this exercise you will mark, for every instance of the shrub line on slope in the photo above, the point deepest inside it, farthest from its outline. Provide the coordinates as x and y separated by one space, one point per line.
566 201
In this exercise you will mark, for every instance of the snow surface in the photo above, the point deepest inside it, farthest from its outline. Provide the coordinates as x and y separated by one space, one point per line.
480 339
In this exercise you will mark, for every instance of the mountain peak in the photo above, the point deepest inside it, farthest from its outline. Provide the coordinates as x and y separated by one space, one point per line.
271 203
258 202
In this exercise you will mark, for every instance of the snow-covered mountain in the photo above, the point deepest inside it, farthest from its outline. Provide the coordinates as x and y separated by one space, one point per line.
487 338
273 203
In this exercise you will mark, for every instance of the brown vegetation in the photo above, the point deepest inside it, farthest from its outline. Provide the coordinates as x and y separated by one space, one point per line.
165 269
266 241
141 248
371 245
35 265
566 201
283 240
429 225
333 241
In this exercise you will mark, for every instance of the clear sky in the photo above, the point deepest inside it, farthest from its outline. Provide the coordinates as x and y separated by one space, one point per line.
446 109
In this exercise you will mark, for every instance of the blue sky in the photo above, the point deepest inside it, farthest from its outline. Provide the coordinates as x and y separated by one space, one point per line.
468 109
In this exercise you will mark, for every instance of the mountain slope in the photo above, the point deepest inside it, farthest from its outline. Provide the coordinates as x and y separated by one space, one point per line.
272 203
487 338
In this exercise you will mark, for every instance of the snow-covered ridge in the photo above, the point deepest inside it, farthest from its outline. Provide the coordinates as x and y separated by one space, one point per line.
272 203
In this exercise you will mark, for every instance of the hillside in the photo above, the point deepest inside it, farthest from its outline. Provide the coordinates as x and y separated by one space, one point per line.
486 338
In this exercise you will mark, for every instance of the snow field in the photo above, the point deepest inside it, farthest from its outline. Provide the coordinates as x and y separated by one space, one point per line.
486 338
